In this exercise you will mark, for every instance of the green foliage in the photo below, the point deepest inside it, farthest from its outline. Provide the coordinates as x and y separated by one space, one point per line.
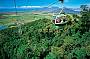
85 18
41 39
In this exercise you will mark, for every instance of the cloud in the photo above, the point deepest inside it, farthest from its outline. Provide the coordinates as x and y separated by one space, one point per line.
77 10
23 7
29 7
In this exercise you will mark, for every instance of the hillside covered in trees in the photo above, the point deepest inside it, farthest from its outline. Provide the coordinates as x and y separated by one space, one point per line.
41 39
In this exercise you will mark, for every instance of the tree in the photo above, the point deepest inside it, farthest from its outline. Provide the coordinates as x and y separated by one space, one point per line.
85 18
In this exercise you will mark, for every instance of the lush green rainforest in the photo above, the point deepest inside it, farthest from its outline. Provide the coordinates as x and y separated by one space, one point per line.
41 39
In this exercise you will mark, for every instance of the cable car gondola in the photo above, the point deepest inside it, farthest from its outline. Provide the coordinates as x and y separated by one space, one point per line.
61 18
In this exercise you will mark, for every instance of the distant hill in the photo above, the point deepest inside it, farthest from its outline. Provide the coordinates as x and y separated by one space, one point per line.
47 9
67 10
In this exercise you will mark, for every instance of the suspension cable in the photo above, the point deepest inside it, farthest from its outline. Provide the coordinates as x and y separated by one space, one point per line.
15 6
52 3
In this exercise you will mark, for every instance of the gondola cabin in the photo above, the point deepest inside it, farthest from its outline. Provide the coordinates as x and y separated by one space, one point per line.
60 19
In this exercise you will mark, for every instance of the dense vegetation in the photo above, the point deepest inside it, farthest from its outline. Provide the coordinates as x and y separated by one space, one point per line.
41 39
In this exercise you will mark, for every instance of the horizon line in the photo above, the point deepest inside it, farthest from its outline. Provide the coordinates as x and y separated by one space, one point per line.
36 7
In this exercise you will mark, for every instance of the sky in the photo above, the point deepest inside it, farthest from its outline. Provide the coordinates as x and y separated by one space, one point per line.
41 3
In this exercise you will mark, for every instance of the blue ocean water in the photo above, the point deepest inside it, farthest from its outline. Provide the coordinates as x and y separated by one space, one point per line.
2 27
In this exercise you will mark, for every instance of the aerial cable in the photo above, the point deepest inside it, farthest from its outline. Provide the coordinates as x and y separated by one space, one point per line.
52 3
15 6
27 2
62 1
61 7
18 23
